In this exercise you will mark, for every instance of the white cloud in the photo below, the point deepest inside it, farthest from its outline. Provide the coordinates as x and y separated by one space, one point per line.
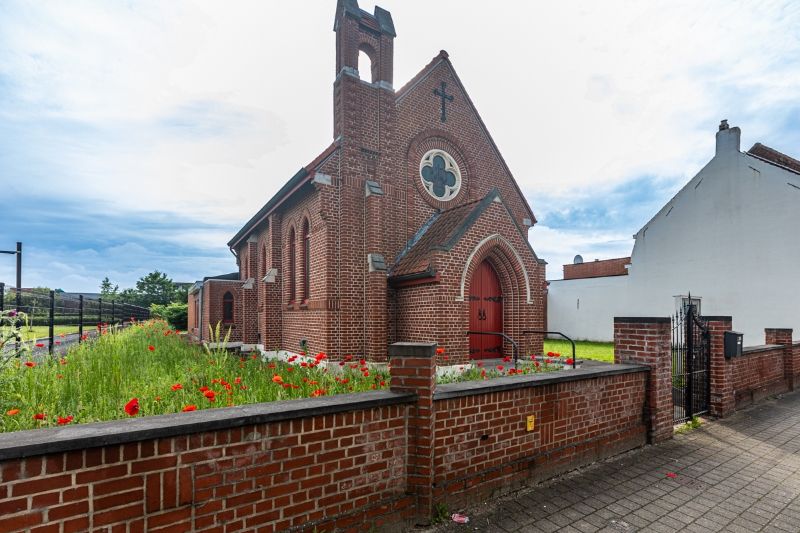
204 109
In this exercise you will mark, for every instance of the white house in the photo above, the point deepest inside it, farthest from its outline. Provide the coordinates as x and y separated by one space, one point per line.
730 237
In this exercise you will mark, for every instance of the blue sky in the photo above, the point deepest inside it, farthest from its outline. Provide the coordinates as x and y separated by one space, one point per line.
140 135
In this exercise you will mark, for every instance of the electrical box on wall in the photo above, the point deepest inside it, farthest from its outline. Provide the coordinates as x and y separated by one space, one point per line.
733 344
531 422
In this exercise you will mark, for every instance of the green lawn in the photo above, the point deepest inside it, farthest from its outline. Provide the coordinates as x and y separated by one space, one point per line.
600 351
42 332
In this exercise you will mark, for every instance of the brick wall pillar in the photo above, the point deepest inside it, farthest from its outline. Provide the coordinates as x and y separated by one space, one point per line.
647 341
413 369
271 327
791 367
723 397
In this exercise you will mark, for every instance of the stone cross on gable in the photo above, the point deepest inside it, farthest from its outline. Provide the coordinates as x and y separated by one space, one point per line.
445 98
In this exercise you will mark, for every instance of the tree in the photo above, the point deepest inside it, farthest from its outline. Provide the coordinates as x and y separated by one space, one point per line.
107 290
155 288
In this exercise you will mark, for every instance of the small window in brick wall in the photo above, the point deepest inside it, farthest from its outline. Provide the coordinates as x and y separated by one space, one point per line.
227 308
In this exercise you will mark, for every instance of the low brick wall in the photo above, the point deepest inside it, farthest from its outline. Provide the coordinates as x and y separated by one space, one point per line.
326 463
378 460
482 444
758 373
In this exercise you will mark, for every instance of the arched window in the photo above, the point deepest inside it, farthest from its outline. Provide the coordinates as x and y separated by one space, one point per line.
227 308
306 261
292 257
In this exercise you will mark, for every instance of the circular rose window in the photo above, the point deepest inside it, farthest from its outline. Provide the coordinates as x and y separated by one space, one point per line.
440 175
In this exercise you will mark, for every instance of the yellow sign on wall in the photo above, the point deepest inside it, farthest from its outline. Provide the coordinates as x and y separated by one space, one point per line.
531 422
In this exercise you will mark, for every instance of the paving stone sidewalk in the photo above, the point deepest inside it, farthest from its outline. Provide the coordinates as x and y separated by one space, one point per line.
741 474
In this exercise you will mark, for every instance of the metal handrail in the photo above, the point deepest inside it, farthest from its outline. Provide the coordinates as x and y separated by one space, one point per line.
574 360
506 337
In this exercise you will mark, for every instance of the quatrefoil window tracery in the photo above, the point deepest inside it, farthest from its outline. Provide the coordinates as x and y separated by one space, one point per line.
440 175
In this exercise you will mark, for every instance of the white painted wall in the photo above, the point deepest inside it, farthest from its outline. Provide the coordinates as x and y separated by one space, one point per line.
731 236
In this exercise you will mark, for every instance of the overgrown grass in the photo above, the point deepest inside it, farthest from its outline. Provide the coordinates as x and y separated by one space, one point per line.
165 374
600 351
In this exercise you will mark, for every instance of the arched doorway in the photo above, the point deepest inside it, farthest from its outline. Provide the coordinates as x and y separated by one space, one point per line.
485 312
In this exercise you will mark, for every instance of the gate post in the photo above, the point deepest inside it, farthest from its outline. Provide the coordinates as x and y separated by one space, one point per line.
647 341
791 370
413 369
722 398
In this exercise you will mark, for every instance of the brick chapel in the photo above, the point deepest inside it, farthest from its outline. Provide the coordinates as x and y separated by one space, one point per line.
408 227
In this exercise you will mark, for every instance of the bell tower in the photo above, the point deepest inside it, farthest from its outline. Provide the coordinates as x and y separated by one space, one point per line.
358 102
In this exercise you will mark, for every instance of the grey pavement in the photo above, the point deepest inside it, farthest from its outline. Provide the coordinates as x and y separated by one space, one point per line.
741 474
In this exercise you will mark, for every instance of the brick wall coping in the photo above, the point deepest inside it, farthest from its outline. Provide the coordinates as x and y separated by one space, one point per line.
642 319
469 388
761 348
28 443
720 318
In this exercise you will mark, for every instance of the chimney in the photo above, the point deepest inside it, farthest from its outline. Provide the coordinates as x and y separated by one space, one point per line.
728 139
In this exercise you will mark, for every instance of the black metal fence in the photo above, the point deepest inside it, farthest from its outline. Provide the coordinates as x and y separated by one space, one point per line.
54 315
691 364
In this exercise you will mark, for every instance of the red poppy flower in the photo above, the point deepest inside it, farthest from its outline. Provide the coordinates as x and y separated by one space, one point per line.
157 399
507 359
39 345
383 383
62 361
320 356
177 386
366 374
277 379
318 392
30 364
187 408
12 412
39 416
304 364
439 351
500 367
237 380
210 394
362 362
536 363
291 359
203 388
254 356
58 342
271 365
445 358
290 369
65 421
348 357
341 363
569 361
151 348
132 407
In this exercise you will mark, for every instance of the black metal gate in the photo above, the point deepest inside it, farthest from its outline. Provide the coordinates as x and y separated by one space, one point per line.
691 364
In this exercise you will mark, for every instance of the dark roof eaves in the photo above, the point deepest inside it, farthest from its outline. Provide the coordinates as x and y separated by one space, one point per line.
293 182
773 163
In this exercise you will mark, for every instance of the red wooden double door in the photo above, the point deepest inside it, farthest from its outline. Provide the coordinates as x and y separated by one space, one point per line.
485 312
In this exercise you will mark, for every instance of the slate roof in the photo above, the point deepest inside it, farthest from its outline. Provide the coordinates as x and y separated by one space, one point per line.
440 233
770 155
